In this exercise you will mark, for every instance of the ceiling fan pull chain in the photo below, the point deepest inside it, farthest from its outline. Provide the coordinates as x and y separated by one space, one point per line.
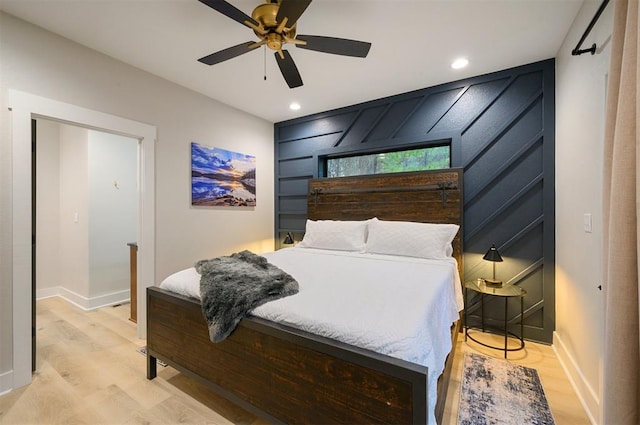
265 62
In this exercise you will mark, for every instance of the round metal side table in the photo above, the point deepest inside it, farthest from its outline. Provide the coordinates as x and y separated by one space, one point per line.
506 292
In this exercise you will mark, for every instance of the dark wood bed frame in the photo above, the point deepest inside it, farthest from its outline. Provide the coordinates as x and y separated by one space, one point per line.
286 375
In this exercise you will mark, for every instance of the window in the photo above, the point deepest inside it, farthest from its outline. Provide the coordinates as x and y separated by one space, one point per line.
431 158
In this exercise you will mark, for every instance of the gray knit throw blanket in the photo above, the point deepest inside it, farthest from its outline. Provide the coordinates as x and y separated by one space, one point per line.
230 287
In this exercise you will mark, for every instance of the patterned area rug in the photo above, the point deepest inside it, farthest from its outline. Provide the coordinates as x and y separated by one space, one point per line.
497 392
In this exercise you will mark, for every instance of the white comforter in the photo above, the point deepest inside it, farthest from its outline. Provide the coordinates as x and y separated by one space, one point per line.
399 306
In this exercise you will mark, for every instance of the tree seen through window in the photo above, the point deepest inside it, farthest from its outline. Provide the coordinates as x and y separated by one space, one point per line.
431 158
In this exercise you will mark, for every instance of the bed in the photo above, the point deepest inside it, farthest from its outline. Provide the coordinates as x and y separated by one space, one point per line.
292 373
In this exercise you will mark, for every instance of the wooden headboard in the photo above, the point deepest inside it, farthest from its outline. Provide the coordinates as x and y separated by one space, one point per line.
421 196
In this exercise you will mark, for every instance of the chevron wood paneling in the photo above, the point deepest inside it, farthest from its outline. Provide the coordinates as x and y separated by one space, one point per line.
500 127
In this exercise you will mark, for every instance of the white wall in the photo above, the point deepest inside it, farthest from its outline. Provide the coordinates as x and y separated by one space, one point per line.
39 62
48 213
580 105
74 210
113 212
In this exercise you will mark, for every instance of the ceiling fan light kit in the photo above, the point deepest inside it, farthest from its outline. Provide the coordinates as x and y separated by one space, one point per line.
274 23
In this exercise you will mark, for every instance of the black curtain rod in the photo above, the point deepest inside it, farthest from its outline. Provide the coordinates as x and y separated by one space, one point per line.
577 51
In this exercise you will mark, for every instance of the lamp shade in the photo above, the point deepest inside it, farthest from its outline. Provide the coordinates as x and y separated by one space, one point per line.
288 240
493 255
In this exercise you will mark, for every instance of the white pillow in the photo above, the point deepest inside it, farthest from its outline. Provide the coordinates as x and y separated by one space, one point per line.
335 234
184 282
410 239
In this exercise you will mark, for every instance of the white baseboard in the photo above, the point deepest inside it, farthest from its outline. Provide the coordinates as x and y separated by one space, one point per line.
47 292
82 301
6 382
588 397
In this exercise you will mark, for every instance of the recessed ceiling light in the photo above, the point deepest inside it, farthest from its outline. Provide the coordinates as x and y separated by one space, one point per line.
294 106
459 63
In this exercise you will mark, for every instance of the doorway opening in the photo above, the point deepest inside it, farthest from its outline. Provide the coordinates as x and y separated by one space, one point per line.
24 108
84 213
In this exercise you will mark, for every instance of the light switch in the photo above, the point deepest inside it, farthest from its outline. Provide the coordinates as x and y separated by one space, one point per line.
76 217
587 223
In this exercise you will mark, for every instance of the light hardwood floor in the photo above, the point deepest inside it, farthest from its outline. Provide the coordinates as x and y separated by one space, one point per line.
89 372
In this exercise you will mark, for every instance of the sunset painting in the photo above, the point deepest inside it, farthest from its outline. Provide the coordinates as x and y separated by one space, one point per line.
222 178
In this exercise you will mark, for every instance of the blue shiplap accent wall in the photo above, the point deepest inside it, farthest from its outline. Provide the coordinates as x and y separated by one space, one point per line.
501 128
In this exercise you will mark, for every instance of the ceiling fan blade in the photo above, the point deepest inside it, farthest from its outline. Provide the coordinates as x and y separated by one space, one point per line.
336 46
230 11
228 53
291 9
289 70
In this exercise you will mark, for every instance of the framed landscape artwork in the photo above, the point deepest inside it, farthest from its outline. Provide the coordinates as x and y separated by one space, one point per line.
222 178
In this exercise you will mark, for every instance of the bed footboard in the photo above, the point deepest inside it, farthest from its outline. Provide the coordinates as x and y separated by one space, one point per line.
281 373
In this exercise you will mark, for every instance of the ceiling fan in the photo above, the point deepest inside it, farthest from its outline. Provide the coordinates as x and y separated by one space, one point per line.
274 22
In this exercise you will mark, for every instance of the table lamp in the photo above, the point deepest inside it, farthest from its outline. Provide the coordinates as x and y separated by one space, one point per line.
494 256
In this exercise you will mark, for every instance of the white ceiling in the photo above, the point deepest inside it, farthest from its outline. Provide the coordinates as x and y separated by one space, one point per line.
413 44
